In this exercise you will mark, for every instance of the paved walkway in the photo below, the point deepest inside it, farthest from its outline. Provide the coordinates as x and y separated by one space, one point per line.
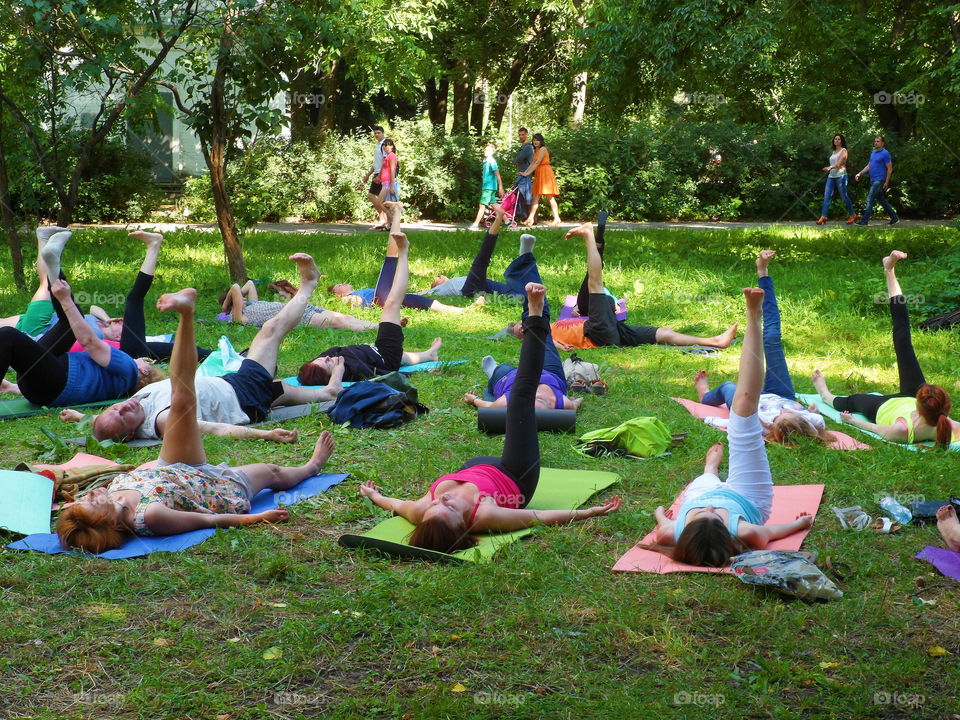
353 228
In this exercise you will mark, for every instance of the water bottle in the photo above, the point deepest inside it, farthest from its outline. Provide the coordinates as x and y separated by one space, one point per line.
895 510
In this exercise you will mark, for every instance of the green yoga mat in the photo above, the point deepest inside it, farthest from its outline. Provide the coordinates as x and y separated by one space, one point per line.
827 411
557 490
21 408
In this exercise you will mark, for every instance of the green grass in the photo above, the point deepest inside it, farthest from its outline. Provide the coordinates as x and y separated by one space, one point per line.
546 630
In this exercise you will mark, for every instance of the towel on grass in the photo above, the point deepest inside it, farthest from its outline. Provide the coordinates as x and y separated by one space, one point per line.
788 502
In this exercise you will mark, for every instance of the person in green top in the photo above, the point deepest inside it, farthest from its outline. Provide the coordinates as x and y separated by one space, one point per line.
917 413
492 186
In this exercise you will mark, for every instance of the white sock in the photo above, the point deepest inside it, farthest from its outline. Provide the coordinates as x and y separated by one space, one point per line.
489 365
44 233
526 243
52 251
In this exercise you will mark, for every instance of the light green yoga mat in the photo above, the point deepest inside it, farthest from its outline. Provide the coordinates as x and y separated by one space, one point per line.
834 415
557 490
21 408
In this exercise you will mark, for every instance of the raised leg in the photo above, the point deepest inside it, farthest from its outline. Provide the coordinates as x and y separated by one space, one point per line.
477 275
777 379
908 366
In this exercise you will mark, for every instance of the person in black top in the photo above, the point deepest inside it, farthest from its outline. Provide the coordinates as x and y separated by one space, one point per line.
386 354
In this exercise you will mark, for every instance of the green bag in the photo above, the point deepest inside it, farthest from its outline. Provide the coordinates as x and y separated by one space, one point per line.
642 437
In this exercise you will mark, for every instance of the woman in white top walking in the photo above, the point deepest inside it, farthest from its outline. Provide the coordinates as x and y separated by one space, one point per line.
837 180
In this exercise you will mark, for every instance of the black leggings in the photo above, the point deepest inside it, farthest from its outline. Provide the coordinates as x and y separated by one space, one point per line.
477 276
133 337
521 445
583 296
908 367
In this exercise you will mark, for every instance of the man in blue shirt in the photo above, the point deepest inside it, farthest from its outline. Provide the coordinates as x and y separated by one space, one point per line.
881 168
524 182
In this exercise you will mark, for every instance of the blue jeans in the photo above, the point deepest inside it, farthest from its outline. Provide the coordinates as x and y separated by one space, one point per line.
777 379
525 186
520 272
833 185
877 194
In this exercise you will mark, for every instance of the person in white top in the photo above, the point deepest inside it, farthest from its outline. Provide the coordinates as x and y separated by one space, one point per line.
226 404
373 193
837 180
781 416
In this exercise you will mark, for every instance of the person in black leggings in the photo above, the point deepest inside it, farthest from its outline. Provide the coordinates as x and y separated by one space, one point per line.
919 411
490 494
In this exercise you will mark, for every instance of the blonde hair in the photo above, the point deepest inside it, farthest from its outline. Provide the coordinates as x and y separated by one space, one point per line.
786 427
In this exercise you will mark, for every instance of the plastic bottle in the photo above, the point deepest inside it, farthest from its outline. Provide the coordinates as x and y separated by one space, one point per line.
895 510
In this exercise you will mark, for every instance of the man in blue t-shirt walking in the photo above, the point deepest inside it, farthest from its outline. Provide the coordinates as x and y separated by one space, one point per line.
881 168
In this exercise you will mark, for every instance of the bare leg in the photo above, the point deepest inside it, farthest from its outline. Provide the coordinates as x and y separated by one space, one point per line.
295 395
532 215
182 442
949 527
9 387
340 321
890 273
669 336
555 209
266 344
249 291
439 307
714 457
820 385
480 211
10 321
378 206
750 381
153 241
276 477
431 355
594 261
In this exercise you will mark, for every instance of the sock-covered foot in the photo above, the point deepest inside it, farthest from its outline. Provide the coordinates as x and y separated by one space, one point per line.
949 527
53 251
527 242
182 302
701 384
45 233
488 364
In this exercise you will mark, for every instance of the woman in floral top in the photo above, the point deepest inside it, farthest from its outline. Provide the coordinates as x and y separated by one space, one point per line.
184 492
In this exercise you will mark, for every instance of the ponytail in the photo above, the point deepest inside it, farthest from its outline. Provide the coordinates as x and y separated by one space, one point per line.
944 431
934 405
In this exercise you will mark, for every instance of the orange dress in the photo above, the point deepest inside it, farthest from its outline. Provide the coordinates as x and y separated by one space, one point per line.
544 181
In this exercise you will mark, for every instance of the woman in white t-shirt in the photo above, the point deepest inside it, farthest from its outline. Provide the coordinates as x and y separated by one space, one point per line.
781 416
837 180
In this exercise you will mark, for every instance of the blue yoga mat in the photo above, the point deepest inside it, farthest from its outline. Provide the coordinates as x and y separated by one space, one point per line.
136 546
405 369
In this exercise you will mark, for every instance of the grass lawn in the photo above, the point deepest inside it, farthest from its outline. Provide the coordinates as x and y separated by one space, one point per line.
281 622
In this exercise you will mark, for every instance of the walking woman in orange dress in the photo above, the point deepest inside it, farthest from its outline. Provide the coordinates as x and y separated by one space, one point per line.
544 181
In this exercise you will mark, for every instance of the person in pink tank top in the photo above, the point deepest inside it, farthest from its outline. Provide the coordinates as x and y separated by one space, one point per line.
490 494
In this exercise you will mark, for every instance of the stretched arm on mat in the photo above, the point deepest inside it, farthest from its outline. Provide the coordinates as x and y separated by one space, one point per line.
490 494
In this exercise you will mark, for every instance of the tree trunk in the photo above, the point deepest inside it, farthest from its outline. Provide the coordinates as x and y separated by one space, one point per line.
461 102
215 155
436 97
327 101
579 99
477 106
509 86
9 221
300 125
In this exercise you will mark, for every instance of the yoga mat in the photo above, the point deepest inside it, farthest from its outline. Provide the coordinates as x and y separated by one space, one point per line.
136 546
946 561
405 369
834 415
570 302
788 502
557 490
21 408
276 415
841 441
25 502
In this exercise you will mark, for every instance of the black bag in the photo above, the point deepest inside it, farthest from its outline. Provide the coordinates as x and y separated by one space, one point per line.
941 322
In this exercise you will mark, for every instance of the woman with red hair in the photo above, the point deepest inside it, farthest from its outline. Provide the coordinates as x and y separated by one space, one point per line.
917 413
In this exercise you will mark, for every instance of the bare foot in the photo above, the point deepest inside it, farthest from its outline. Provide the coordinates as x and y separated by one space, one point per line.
8 387
585 230
147 238
309 274
480 301
182 302
403 244
763 259
892 259
724 339
576 402
433 354
820 384
535 296
754 298
701 384
714 457
949 527
323 449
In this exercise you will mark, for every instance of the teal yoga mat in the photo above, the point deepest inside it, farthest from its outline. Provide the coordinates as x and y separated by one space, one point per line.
557 490
827 411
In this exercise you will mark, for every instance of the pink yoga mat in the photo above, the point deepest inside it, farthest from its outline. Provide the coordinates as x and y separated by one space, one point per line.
788 502
841 441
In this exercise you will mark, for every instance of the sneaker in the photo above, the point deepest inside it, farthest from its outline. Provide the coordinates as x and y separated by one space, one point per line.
861 223
474 227
894 221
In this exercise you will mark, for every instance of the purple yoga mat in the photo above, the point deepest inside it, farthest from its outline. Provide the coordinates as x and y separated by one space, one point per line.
566 312
946 561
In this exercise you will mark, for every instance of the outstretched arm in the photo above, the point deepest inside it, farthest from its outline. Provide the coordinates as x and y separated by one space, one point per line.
472 399
165 521
96 348
411 510
501 519
897 432
245 432
759 536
